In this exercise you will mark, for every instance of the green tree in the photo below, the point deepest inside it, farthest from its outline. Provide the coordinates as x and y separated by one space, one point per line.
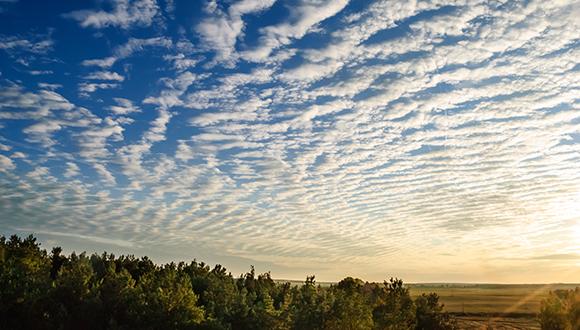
165 300
310 306
430 314
76 294
42 291
24 283
350 309
394 307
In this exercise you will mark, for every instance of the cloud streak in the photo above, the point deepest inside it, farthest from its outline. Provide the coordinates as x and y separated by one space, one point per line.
125 14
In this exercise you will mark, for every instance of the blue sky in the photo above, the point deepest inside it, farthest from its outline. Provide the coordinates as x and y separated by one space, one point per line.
431 140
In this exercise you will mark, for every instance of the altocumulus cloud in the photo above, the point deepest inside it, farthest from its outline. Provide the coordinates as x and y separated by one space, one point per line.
421 139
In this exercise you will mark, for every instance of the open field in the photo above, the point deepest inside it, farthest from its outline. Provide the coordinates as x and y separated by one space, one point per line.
500 306
490 299
486 306
500 323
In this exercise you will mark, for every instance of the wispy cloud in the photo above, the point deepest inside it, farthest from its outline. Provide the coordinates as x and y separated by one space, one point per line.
221 30
125 14
126 50
105 75
558 257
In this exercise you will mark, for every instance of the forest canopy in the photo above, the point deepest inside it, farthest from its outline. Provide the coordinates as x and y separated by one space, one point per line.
41 290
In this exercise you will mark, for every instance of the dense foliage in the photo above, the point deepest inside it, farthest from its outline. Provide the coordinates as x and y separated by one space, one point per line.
561 310
40 290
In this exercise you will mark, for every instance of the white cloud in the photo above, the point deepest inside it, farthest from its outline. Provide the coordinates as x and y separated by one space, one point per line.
93 140
6 164
18 154
126 14
360 151
221 30
92 87
123 107
40 72
170 96
18 44
39 173
72 170
43 131
131 155
107 177
48 86
311 71
128 49
181 62
304 16
105 75
103 63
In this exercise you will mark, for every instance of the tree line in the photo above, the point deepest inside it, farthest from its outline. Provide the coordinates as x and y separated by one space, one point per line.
41 290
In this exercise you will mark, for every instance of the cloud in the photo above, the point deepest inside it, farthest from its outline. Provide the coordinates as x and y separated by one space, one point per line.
40 72
6 164
304 16
170 96
131 155
558 257
103 63
125 14
13 43
107 177
123 107
101 240
18 155
93 140
46 112
92 87
48 86
221 30
105 75
128 49
72 170
42 108
42 132
400 130
181 62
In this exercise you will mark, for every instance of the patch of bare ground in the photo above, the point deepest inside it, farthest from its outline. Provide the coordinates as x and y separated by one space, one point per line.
497 323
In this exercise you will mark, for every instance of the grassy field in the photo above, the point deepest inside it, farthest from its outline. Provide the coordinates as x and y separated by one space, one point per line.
490 299
483 299
488 306
492 306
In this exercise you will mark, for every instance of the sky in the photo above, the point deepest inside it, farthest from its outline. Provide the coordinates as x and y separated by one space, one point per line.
436 141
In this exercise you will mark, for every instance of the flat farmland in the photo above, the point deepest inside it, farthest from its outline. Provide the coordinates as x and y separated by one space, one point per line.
481 306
